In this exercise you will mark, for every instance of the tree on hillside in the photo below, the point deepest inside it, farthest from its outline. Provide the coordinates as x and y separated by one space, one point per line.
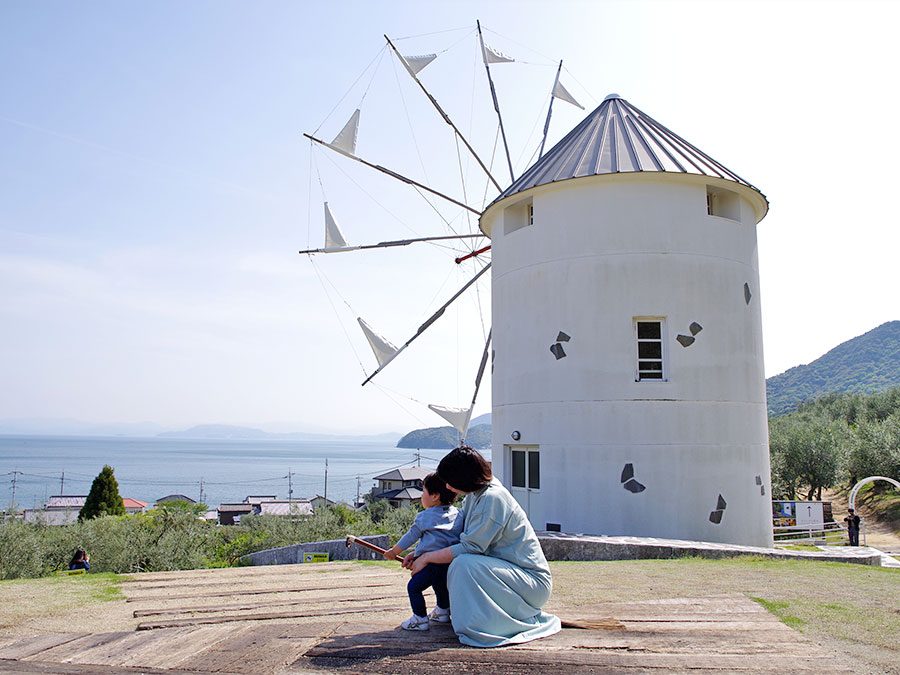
807 452
104 498
876 449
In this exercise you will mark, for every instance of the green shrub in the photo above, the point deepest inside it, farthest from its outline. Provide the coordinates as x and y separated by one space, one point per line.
174 538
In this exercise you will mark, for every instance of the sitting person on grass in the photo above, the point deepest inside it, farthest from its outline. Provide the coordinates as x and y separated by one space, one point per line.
80 561
437 527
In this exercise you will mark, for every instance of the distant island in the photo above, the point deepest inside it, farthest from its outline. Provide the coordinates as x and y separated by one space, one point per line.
221 432
446 438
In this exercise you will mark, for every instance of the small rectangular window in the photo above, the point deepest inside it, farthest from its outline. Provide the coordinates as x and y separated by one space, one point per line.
650 350
534 470
723 203
518 468
518 215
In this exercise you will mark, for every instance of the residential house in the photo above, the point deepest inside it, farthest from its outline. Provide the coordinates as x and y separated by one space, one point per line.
401 487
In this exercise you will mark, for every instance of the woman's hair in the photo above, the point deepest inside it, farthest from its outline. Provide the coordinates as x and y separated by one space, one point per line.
78 557
464 469
436 486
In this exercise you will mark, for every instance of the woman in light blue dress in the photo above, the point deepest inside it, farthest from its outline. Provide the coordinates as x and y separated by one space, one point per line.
498 578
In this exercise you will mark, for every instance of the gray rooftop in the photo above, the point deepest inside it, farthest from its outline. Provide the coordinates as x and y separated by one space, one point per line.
405 473
619 138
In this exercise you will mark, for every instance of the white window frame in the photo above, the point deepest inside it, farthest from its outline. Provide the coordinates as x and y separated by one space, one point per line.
664 356
527 450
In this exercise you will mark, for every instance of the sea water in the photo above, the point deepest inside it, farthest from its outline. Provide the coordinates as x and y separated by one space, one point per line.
227 471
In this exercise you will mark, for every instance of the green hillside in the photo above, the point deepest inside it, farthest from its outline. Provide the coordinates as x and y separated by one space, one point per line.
446 438
866 364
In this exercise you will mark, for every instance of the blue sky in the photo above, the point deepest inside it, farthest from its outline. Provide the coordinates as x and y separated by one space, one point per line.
155 187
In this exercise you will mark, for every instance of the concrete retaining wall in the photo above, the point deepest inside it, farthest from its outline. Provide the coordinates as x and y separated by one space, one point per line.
580 547
335 548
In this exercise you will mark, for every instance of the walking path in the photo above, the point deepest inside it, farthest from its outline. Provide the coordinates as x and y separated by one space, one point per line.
342 618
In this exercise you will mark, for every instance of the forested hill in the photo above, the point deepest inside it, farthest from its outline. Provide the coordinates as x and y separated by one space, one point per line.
446 437
867 363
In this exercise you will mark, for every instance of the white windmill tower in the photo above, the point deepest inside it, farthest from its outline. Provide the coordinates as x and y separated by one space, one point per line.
628 384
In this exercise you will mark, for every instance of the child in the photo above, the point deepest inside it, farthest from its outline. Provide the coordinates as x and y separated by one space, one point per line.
437 527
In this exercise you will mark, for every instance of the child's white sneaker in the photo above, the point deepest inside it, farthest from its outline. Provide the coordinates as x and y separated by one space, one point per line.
440 615
415 623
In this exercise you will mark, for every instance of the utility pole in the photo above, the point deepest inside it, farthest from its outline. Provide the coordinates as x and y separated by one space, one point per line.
201 489
62 483
357 490
418 457
15 475
290 489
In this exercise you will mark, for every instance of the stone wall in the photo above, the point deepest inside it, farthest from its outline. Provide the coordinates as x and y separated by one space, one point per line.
335 548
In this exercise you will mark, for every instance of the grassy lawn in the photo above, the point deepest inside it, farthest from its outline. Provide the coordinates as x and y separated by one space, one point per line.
853 609
52 601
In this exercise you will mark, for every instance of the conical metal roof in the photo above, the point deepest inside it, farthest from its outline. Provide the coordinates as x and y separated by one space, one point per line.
619 138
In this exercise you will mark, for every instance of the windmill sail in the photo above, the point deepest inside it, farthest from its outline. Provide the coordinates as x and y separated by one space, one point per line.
560 92
458 418
346 140
334 238
417 63
383 349
491 55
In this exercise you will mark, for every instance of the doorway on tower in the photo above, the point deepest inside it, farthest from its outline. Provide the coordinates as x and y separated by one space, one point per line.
524 462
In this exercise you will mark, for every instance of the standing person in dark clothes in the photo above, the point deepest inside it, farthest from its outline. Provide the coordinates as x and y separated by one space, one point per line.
852 521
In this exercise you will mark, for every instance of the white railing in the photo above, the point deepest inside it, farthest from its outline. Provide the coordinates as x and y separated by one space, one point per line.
833 534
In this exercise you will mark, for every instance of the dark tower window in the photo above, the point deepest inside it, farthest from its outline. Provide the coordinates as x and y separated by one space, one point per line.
650 354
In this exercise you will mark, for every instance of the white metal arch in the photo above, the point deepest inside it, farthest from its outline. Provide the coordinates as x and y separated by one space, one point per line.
852 499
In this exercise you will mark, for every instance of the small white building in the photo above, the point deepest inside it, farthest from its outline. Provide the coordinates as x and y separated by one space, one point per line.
628 384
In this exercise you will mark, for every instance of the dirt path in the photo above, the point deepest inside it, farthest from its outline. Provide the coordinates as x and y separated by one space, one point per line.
878 535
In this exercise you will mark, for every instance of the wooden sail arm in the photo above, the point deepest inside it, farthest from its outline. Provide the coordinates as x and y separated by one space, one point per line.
484 357
444 115
487 69
393 174
388 244
550 110
434 317
472 254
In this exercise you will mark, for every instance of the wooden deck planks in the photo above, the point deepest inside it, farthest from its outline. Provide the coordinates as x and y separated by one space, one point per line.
253 591
266 616
341 622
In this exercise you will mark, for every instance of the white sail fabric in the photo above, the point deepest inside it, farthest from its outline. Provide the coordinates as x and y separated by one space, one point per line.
383 349
334 238
491 55
346 140
560 92
458 418
417 63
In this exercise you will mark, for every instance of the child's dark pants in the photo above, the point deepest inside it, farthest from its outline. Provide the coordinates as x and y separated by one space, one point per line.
435 576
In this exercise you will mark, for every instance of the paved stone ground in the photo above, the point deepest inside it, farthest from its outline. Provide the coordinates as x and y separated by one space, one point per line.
343 617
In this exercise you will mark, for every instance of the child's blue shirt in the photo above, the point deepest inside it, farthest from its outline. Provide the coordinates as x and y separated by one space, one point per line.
434 529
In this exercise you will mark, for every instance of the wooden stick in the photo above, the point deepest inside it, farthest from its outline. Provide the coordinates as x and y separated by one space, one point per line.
372 547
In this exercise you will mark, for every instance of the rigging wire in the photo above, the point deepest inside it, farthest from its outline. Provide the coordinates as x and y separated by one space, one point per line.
309 197
551 62
390 393
412 131
531 134
383 207
437 32
486 184
320 275
585 89
377 57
